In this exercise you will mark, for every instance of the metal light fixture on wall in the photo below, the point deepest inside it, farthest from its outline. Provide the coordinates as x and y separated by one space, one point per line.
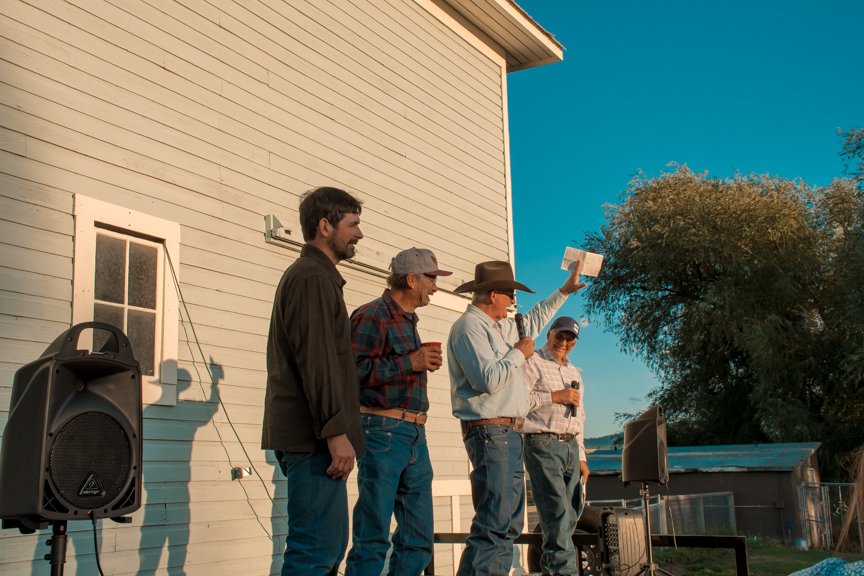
368 260
276 233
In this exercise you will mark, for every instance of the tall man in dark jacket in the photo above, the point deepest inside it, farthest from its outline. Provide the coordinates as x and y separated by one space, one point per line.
311 407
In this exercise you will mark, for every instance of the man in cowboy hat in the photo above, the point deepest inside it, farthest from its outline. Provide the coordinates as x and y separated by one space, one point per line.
555 445
395 473
489 396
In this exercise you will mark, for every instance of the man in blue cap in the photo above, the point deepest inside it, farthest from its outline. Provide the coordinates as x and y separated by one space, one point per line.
554 444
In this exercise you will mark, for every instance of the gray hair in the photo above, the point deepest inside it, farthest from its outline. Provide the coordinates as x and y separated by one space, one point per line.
398 282
482 297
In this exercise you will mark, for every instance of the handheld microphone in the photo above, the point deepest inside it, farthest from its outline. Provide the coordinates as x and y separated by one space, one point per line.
520 325
575 384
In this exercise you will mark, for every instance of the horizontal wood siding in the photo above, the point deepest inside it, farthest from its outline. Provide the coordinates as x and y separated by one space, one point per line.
213 114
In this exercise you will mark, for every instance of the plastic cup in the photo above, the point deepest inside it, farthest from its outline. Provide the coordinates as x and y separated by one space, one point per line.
436 346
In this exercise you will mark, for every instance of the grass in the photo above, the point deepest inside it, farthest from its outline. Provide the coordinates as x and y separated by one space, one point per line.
763 558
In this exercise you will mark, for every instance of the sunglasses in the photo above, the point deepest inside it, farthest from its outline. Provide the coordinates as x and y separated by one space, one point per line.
511 295
567 337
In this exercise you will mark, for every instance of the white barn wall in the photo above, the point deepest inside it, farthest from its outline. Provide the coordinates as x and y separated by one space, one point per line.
213 114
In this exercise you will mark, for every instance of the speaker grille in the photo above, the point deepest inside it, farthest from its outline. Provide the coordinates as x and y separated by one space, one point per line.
624 536
90 461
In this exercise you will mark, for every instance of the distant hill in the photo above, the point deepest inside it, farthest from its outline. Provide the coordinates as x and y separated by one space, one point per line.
604 442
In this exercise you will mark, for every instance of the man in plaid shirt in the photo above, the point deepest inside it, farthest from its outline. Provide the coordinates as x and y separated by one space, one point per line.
555 444
395 474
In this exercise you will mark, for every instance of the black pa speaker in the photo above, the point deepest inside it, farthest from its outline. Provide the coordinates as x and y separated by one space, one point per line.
644 458
72 445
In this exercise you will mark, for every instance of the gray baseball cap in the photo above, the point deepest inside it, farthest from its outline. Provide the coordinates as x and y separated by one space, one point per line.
565 324
416 261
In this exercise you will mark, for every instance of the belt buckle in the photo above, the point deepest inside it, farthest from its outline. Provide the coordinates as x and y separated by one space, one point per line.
517 424
410 416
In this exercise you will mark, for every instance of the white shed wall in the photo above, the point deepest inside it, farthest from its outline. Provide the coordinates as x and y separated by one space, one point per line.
213 114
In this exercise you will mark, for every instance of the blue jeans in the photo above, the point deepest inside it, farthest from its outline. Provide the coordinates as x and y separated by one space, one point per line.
553 467
498 494
317 515
394 477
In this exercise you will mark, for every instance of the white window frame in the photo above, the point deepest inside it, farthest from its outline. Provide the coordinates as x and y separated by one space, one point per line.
90 215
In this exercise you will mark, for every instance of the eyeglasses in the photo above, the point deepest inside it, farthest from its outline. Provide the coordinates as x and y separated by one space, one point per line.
511 295
567 337
432 277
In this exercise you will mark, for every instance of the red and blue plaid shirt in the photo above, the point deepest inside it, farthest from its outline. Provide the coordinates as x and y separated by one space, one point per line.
382 336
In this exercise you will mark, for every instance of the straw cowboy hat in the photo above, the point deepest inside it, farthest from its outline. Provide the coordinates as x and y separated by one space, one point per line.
493 275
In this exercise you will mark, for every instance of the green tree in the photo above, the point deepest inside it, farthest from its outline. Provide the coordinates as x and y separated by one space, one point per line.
853 151
741 295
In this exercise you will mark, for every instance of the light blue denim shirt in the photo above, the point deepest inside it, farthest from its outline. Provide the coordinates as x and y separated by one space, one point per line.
485 379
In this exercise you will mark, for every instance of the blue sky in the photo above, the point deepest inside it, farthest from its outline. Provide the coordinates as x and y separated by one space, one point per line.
728 87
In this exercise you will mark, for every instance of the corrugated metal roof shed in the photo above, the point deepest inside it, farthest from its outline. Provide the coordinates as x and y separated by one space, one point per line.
729 458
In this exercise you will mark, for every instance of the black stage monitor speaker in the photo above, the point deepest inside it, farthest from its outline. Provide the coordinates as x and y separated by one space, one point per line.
72 445
644 458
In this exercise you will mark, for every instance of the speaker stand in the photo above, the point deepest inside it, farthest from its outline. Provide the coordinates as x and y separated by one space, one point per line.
649 568
57 542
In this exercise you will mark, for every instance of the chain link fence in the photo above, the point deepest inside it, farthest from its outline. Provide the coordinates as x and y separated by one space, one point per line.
824 508
710 513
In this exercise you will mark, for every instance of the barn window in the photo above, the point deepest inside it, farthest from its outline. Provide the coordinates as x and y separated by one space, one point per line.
123 276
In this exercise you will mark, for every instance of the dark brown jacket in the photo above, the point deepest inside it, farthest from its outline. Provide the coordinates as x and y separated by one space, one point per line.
312 391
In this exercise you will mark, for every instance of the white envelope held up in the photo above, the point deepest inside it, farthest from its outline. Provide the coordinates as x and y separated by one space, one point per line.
591 262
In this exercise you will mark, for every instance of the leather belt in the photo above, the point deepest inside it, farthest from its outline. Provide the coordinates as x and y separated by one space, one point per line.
559 437
514 423
397 414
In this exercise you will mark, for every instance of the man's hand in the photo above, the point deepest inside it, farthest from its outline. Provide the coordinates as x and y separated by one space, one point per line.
584 470
526 346
568 396
426 358
343 455
573 284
